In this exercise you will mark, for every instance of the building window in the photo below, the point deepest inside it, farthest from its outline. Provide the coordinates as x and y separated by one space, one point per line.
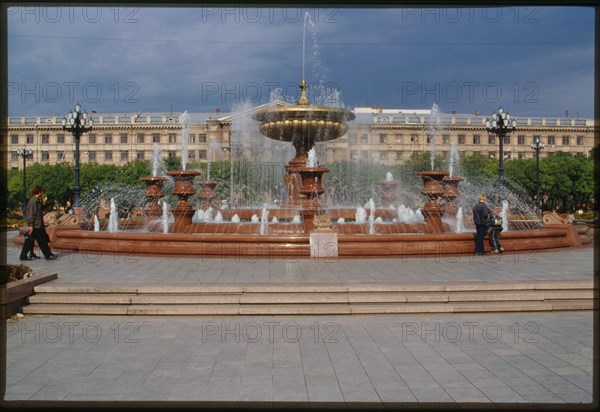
446 139
580 140
92 155
140 138
565 140
491 139
414 138
45 156
140 155
202 154
398 139
353 155
92 139
45 139
123 138
171 153
60 156
352 139
60 138
521 155
398 155
476 139
192 138
29 139
430 138
521 139
108 138
506 139
492 155
14 139
191 155
461 139
550 140
172 138
155 138
507 155
125 155
108 155
14 156
383 138
364 139
202 138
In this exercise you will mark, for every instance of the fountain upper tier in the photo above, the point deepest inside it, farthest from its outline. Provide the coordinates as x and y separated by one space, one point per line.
303 122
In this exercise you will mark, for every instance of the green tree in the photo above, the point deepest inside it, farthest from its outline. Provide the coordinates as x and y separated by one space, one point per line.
173 163
478 168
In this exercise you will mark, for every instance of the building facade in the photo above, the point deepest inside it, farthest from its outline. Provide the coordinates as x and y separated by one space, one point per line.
386 136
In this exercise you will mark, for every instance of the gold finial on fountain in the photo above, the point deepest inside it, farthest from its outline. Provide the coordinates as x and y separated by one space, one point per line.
303 101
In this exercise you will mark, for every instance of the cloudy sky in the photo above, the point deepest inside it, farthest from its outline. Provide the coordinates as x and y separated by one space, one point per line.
534 61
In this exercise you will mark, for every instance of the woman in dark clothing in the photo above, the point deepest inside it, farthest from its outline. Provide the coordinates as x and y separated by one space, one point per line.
35 221
480 218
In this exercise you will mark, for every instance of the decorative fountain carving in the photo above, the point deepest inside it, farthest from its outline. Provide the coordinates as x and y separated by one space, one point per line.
183 189
433 189
207 194
451 193
154 193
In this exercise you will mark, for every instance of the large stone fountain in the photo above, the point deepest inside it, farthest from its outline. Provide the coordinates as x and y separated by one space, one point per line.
287 231
303 125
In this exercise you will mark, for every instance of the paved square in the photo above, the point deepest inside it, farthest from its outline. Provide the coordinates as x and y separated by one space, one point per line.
378 360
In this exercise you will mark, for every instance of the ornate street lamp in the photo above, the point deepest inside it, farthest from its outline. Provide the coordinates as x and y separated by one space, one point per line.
537 146
77 123
501 124
24 153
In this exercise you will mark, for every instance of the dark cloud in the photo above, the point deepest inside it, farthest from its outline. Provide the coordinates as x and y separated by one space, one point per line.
533 60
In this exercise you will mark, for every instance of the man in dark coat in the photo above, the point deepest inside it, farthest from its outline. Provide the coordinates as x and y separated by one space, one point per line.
480 218
35 220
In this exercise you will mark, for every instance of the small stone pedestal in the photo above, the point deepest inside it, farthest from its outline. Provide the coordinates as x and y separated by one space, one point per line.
323 243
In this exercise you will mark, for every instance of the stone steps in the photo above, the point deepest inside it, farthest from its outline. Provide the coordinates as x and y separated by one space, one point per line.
310 299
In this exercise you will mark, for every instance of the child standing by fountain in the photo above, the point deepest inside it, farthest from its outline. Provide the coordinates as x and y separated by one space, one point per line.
494 229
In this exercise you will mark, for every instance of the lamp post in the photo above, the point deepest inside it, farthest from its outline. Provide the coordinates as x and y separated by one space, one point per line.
77 123
24 153
501 124
537 146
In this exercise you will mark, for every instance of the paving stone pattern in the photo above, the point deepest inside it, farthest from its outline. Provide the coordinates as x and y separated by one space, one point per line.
517 357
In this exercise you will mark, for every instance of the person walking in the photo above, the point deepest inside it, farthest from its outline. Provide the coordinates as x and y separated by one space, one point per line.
35 220
27 249
480 218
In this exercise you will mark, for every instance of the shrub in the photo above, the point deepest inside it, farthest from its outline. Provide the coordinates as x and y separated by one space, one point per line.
11 273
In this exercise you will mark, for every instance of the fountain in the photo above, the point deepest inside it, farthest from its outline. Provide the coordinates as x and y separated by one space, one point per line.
389 186
165 217
287 228
113 221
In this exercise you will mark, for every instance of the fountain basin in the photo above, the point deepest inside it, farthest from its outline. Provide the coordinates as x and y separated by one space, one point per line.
293 246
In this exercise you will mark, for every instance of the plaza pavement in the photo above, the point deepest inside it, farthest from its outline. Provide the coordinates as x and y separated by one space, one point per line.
496 359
